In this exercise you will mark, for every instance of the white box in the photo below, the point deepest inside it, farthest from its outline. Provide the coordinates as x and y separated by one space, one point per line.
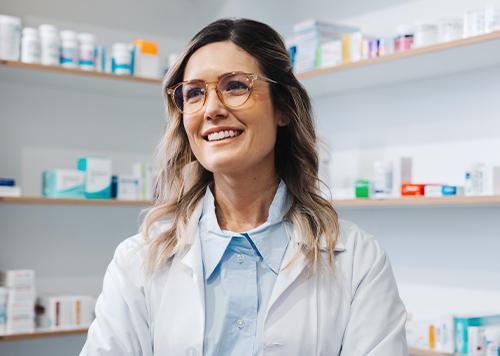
433 190
476 345
129 188
10 191
20 324
402 173
330 54
17 278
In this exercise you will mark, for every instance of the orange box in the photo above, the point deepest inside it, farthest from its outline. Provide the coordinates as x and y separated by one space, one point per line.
412 190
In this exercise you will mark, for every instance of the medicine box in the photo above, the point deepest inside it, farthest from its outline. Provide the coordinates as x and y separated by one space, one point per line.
63 183
463 322
97 172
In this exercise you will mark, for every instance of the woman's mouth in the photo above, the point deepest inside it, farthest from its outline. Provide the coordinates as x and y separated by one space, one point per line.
222 135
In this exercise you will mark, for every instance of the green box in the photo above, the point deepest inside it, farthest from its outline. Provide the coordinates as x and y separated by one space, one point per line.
362 188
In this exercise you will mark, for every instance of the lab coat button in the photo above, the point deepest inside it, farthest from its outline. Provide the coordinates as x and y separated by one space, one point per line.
240 258
240 323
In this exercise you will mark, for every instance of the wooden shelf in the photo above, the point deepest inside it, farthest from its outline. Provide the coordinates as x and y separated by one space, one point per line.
460 201
53 201
419 352
41 333
76 71
436 60
440 59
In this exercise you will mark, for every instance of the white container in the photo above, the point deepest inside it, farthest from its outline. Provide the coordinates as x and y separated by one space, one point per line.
128 188
49 45
491 19
450 30
30 46
10 37
69 49
426 34
382 182
121 59
87 53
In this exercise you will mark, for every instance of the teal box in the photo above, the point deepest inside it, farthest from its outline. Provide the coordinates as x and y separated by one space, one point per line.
63 183
463 322
97 172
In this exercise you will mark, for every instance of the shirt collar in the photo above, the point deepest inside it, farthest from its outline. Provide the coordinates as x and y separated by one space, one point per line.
270 239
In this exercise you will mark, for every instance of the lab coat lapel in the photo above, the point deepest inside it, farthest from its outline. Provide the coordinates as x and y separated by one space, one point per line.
293 265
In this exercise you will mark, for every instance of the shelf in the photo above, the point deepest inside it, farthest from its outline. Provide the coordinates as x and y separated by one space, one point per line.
460 201
40 333
53 201
436 60
58 69
419 352
77 79
440 59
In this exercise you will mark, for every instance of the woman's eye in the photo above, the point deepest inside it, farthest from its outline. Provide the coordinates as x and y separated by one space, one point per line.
236 86
193 93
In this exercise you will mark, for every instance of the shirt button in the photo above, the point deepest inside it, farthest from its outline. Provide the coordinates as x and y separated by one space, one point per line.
240 258
240 323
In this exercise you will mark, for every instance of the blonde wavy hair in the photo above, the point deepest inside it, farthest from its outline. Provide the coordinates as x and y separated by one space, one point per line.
182 180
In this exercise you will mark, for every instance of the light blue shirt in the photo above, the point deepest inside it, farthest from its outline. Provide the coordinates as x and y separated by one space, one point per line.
240 270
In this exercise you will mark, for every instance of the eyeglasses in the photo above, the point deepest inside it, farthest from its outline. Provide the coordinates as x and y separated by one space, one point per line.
233 90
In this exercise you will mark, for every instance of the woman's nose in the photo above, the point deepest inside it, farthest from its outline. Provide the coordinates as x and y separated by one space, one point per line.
214 107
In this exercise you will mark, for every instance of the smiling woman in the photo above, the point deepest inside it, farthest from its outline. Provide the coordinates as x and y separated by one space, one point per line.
240 254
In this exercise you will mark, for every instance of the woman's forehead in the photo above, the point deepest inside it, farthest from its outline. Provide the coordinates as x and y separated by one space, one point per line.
215 59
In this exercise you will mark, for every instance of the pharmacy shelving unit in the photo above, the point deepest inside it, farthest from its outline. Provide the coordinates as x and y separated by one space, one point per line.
460 201
42 333
418 352
453 57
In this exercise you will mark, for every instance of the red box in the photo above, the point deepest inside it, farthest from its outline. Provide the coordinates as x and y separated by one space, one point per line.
412 190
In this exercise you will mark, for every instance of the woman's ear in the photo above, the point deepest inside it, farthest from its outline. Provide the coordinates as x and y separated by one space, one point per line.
282 120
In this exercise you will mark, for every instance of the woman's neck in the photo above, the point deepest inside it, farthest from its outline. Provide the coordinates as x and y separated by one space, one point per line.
243 203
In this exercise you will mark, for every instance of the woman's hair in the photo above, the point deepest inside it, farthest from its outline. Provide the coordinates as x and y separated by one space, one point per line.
182 180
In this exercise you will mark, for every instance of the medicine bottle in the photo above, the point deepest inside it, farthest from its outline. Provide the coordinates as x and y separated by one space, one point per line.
121 59
49 45
30 46
87 51
69 49
10 37
404 39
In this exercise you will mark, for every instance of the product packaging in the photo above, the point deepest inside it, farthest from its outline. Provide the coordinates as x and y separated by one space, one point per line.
97 173
63 183
146 59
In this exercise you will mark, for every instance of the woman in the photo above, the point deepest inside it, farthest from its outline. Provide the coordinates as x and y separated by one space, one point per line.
240 254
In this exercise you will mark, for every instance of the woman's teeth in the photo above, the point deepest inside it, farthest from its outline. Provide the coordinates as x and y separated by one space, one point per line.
222 135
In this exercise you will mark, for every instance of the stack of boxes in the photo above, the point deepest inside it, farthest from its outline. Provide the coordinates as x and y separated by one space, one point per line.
20 301
319 44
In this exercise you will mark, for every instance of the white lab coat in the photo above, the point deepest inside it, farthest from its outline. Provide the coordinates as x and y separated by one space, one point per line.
354 311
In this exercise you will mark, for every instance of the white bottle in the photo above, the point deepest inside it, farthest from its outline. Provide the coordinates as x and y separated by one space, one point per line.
10 37
87 52
69 49
30 46
121 59
49 45
382 182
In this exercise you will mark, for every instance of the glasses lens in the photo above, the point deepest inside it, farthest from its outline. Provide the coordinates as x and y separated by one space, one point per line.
189 97
235 89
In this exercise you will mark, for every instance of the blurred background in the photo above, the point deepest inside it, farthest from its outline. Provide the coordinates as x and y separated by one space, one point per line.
405 96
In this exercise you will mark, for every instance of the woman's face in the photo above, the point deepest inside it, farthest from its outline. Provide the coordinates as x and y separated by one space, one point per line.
255 122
